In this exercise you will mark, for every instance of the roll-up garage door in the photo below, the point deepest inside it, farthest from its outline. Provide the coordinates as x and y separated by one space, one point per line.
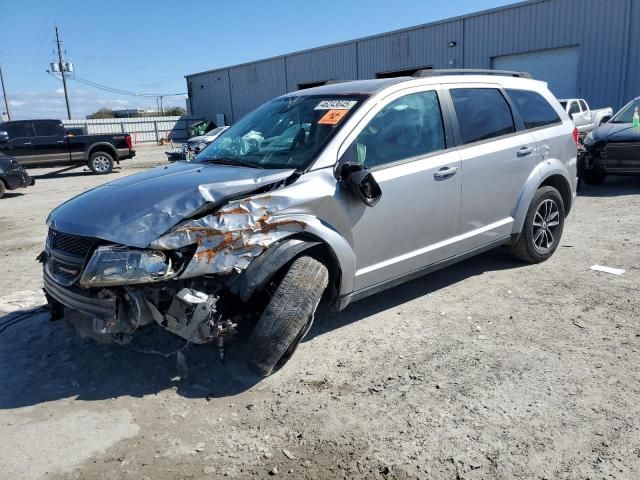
557 67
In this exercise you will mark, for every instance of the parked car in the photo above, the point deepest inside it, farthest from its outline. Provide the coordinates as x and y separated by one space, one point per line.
583 117
193 146
46 143
12 175
196 144
339 191
613 148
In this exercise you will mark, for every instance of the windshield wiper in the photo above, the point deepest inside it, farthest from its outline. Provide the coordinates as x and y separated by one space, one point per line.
232 161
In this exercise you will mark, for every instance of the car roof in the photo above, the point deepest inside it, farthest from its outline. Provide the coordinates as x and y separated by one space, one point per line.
369 87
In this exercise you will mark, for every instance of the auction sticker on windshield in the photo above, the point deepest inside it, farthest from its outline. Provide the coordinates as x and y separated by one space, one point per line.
332 117
336 105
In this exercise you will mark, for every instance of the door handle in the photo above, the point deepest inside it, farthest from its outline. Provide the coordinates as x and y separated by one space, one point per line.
445 172
27 143
524 151
60 141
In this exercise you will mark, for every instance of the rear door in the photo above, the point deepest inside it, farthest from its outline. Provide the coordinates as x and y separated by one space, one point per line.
50 143
498 155
541 119
20 141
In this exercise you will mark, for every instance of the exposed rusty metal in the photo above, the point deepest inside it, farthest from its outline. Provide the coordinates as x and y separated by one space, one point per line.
231 237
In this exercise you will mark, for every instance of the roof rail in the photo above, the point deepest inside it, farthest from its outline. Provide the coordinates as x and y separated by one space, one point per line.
427 72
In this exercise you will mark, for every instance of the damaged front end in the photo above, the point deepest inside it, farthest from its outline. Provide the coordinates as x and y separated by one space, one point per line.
183 280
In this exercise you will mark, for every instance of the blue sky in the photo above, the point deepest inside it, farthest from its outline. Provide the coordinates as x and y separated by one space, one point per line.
148 46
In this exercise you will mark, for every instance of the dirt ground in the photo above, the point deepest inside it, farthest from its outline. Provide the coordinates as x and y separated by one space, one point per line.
490 369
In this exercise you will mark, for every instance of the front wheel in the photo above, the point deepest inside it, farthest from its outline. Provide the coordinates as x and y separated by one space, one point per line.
542 228
100 163
288 316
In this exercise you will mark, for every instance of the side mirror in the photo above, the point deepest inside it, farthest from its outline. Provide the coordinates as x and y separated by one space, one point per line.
360 183
4 137
574 116
605 119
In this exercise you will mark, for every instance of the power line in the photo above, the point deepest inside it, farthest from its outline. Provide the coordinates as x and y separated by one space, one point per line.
118 90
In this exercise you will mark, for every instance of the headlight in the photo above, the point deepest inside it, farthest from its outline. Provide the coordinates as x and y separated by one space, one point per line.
121 266
589 140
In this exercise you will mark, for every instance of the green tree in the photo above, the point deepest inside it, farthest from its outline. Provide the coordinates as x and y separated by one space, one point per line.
102 113
175 111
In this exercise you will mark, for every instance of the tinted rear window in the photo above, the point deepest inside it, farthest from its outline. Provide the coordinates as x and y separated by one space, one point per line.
533 108
482 113
48 129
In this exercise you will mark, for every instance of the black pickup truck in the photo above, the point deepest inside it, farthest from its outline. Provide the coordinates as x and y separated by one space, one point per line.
46 143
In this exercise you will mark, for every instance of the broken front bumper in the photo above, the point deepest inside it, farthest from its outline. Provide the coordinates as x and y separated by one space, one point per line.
104 308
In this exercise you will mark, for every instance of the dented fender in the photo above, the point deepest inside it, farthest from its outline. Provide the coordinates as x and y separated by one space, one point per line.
231 238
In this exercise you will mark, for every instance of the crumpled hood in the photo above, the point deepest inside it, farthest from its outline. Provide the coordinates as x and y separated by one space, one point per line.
137 209
616 132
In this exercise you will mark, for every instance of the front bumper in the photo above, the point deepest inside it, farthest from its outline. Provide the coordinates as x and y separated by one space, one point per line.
18 179
103 308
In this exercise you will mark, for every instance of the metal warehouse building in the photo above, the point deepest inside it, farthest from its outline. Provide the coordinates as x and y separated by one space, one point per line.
582 48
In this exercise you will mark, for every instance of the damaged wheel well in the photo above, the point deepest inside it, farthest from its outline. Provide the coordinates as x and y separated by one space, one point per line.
266 266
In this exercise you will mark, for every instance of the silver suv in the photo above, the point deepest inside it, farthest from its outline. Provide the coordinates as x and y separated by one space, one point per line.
338 191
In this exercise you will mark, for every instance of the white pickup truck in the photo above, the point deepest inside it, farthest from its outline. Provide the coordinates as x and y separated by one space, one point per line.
583 117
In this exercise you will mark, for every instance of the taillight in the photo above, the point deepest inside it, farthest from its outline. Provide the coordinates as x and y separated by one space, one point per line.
127 138
576 136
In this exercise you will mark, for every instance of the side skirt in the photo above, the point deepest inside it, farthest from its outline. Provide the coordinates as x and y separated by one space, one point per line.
345 300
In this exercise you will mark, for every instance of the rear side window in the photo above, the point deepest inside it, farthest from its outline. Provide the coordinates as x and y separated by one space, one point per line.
482 113
48 129
573 108
534 110
583 106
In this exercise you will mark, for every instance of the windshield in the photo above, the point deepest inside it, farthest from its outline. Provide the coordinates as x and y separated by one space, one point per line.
626 114
287 132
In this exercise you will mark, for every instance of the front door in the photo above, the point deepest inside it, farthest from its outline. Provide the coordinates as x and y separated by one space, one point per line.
20 141
403 142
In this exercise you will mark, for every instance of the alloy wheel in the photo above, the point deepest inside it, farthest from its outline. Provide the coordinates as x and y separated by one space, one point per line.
101 164
546 223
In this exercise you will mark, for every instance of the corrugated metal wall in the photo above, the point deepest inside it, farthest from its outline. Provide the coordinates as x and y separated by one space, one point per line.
607 33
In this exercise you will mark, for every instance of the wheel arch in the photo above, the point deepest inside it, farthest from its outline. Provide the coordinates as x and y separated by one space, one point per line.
102 147
281 254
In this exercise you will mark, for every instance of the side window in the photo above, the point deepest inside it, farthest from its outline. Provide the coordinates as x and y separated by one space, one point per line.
583 105
534 110
482 113
573 108
49 129
16 130
408 127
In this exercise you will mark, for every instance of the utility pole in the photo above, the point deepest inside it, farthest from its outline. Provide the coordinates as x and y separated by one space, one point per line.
4 93
62 72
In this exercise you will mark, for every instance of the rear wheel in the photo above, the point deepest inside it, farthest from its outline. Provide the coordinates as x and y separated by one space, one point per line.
3 189
594 176
542 228
100 163
288 316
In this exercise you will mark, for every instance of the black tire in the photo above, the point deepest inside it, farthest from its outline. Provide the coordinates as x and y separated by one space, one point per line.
3 189
288 316
530 246
594 176
100 163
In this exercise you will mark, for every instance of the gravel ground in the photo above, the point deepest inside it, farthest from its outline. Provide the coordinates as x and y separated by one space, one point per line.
490 369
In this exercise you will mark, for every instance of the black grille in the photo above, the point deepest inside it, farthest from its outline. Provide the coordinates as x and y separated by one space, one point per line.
70 244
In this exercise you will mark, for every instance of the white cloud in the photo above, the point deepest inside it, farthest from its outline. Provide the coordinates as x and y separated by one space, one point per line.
51 103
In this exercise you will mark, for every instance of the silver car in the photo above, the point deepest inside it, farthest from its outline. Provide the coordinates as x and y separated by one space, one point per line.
335 192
